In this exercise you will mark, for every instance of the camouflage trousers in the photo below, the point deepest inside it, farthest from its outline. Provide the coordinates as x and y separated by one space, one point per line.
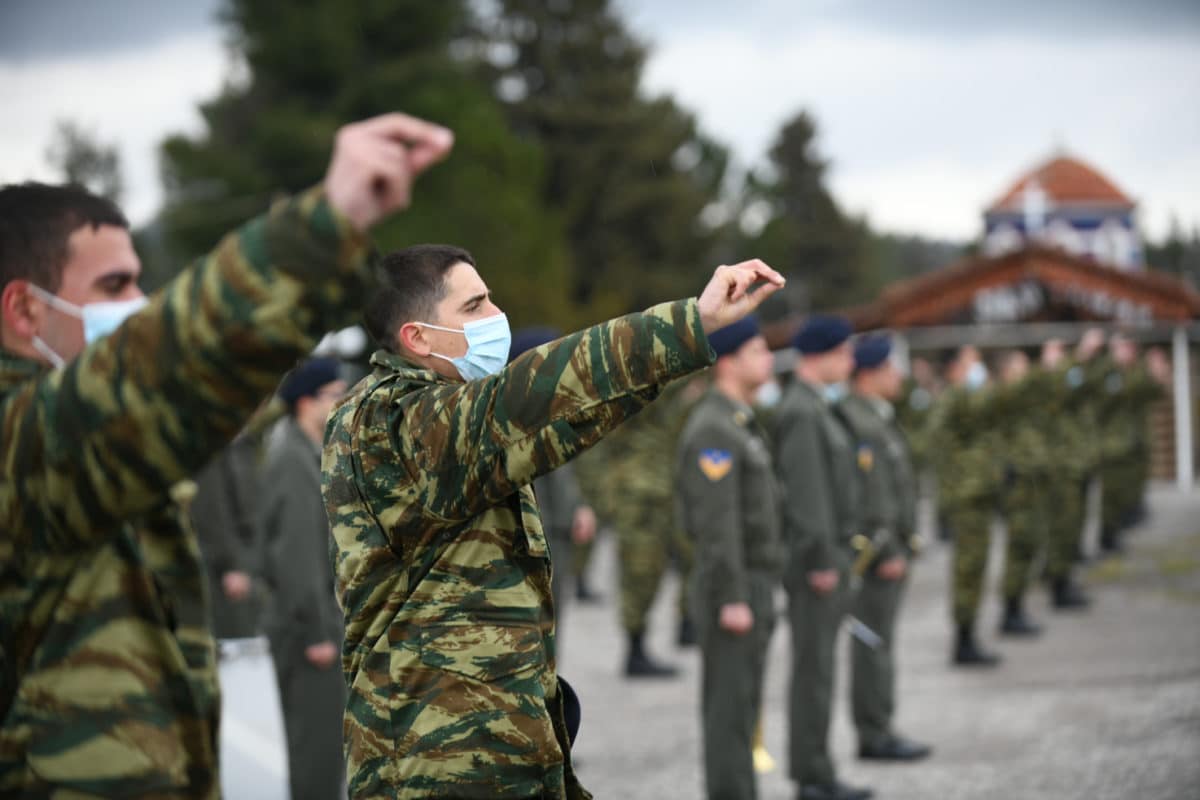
971 523
646 538
1065 506
1028 534
1123 484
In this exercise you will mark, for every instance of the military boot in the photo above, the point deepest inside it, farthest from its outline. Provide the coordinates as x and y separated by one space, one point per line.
967 652
1068 595
1016 622
585 594
640 665
1110 541
687 633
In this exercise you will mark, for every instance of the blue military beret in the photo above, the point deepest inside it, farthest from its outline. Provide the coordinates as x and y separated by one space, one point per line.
821 333
529 338
871 351
728 339
307 378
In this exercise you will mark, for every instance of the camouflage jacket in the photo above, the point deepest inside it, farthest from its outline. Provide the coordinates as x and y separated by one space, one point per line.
108 685
815 461
889 482
1022 412
442 564
970 463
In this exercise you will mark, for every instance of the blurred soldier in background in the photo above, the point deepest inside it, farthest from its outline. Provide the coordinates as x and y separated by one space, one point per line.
815 460
729 506
108 679
1019 413
1130 388
1068 437
224 512
305 624
889 519
970 477
567 519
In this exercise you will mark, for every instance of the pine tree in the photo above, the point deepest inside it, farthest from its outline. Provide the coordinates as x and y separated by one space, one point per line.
631 174
305 68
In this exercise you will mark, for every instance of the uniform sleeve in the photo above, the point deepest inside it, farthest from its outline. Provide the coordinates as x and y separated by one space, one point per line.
101 440
808 513
296 551
710 499
466 447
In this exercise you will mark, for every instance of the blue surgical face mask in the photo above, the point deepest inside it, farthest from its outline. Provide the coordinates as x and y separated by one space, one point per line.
833 392
767 395
99 319
488 341
977 376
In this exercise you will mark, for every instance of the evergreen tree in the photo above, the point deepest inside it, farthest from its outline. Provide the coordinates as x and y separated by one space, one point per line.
825 253
308 67
631 174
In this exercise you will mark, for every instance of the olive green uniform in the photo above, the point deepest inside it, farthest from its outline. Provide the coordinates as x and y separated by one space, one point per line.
304 612
441 558
889 516
1128 395
108 682
558 498
729 507
815 461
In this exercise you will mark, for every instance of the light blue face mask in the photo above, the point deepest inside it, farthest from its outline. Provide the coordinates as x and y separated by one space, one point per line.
977 376
99 319
833 392
488 341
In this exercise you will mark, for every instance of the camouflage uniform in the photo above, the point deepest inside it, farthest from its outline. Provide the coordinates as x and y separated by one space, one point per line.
639 477
889 517
1020 414
109 683
815 460
729 503
1073 438
442 564
1128 394
970 480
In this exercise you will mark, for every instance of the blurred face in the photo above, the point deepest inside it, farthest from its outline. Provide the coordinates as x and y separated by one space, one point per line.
467 300
101 266
967 356
752 365
1016 367
1124 351
838 363
884 381
316 408
1090 344
922 372
1053 353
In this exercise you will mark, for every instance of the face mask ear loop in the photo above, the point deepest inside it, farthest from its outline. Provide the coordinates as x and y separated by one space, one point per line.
48 352
56 302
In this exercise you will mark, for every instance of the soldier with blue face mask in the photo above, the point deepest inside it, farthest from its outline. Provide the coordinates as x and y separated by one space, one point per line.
442 560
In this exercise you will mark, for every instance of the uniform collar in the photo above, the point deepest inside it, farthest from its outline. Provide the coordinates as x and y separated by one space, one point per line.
15 370
389 363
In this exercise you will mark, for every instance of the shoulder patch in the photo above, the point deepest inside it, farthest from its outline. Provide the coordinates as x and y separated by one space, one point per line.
866 458
715 464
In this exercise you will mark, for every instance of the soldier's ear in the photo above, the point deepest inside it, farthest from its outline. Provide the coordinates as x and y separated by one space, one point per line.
411 337
20 316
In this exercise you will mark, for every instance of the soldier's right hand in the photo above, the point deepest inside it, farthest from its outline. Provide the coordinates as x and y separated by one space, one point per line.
737 618
823 581
727 297
376 161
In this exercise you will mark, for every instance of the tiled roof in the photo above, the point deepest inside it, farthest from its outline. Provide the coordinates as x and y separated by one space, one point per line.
1066 181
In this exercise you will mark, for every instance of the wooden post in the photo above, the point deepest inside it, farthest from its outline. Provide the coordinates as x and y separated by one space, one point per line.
1184 467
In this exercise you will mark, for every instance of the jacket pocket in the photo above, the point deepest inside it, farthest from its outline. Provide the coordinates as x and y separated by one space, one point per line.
483 651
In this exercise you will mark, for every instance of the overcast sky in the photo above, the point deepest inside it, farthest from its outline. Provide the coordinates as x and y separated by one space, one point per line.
928 109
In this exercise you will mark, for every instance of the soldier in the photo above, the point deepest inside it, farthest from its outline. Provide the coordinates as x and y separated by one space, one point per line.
1028 465
305 623
1068 436
889 518
970 477
816 468
729 506
568 520
1129 391
224 519
108 676
441 557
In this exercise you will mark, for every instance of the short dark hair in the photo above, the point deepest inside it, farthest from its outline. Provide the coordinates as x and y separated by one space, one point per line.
36 223
409 283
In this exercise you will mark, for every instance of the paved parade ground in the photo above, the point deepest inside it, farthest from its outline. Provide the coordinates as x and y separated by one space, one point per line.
1106 704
